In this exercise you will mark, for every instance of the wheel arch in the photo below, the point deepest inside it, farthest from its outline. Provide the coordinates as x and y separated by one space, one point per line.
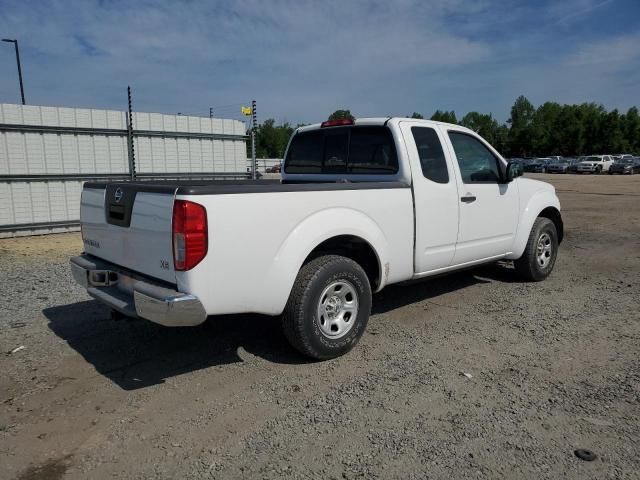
553 214
545 204
357 249
341 231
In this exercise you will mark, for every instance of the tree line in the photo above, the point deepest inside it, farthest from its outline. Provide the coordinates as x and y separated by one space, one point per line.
550 129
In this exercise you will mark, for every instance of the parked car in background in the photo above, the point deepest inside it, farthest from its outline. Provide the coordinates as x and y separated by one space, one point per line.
537 165
595 164
558 166
573 164
625 166
556 158
620 156
277 168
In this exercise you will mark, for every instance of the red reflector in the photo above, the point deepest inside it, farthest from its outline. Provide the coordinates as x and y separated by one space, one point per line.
190 235
336 123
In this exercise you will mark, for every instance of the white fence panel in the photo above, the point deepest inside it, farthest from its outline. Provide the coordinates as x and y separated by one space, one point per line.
49 202
46 152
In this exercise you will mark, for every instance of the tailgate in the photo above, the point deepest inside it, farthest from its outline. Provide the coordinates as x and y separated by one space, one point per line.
131 227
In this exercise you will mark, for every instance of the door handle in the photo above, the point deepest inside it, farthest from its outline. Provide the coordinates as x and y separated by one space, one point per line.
468 198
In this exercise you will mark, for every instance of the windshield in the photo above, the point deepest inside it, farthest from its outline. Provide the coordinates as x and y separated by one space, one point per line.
592 159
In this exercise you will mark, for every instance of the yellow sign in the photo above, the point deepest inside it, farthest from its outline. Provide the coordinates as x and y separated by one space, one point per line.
246 111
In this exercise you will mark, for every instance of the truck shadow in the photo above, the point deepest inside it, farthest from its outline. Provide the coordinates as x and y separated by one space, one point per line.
399 295
136 354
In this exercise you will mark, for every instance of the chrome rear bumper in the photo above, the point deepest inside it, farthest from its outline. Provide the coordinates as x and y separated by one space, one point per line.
133 296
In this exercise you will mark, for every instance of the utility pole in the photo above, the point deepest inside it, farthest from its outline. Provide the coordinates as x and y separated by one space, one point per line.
210 112
15 44
253 139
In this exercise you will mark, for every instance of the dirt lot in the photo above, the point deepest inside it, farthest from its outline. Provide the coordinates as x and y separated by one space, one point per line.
554 366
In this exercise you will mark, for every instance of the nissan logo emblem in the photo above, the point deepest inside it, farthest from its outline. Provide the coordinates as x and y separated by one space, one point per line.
118 194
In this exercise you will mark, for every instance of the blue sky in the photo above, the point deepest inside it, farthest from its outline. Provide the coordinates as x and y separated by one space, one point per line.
301 59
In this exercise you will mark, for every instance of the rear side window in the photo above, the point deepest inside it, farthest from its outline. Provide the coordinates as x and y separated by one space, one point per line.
305 153
356 150
432 161
371 150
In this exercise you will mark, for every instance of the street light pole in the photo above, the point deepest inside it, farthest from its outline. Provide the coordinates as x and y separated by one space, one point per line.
15 44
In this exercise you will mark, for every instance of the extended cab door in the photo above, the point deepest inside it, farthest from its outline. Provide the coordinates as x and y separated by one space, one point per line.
435 196
488 206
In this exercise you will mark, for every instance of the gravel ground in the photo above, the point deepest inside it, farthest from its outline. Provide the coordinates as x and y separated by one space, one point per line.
552 367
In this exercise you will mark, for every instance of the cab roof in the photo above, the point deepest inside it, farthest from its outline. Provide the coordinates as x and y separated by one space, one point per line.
379 121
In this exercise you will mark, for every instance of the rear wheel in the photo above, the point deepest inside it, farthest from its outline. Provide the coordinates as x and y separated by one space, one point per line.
328 308
539 256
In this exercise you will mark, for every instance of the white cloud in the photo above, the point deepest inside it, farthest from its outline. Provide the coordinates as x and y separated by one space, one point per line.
616 52
567 11
300 59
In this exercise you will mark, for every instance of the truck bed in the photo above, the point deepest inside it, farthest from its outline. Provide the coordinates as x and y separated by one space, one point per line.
259 233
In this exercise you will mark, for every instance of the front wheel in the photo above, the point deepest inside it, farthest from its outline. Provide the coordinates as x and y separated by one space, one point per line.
539 256
328 308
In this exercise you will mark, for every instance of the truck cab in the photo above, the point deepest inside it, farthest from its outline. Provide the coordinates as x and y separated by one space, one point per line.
467 208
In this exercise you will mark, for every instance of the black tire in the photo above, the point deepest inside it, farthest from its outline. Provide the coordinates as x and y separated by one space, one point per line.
300 321
529 266
598 170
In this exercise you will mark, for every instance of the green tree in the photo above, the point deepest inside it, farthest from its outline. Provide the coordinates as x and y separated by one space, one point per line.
272 139
592 116
501 143
570 131
632 129
612 131
341 115
520 133
545 129
550 129
444 116
484 125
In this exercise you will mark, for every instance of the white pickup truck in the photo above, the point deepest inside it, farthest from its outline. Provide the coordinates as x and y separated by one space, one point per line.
361 205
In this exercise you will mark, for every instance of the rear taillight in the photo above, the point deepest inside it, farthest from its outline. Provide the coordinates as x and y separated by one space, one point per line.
190 238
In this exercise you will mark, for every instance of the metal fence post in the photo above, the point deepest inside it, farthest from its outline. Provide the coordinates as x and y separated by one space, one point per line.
132 153
253 140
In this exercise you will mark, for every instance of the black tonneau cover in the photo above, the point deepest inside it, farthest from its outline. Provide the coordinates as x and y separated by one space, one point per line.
226 187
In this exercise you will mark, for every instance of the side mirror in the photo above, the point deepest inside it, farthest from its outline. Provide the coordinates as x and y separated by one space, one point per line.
514 170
